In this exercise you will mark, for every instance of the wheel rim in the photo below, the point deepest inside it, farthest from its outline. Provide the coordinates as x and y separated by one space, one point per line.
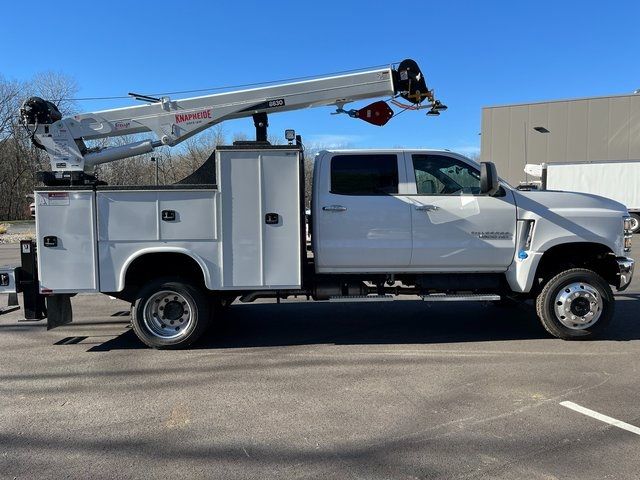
578 305
635 223
168 314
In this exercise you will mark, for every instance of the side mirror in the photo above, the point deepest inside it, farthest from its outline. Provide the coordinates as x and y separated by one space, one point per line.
489 183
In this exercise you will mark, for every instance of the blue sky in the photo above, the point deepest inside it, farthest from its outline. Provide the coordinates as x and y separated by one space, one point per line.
473 53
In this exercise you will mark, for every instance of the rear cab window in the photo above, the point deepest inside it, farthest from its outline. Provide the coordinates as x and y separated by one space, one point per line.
364 174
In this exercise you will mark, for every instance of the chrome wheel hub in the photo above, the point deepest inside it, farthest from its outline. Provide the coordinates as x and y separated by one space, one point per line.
168 314
578 305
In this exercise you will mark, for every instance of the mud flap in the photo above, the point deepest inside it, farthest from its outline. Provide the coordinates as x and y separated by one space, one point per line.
13 300
28 283
59 311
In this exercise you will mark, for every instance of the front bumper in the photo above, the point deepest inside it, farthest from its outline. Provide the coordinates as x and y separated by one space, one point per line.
625 271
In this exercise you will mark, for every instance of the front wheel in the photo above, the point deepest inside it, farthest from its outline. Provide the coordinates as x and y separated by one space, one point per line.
635 223
575 304
169 313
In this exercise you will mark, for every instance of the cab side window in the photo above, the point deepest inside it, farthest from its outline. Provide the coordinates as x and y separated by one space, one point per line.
442 175
364 174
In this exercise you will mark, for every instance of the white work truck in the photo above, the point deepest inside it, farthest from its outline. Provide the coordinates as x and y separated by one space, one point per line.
384 223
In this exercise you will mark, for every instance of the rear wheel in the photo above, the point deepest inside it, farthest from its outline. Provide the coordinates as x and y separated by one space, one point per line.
169 313
575 304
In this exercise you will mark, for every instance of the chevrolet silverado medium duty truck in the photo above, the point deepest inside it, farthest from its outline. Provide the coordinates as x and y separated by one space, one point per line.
383 223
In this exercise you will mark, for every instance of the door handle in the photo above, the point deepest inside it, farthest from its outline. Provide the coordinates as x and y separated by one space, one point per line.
427 208
50 241
168 215
334 208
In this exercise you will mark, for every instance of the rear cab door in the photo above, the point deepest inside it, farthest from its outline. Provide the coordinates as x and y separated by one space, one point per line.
362 223
454 226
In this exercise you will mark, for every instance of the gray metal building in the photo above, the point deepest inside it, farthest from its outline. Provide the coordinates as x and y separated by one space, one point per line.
586 129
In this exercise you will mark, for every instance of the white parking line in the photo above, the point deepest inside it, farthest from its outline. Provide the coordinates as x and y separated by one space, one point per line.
603 418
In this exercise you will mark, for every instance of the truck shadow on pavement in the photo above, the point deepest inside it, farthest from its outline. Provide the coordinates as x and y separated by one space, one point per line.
404 322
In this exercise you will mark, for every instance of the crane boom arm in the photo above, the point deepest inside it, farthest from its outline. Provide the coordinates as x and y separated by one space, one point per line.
173 121
176 120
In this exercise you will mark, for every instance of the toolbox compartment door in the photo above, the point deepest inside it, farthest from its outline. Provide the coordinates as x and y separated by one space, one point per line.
66 240
261 218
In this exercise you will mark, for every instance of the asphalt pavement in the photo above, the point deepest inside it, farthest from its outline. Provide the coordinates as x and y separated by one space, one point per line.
315 390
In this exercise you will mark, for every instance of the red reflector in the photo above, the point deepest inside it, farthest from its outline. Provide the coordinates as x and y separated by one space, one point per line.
378 113
44 291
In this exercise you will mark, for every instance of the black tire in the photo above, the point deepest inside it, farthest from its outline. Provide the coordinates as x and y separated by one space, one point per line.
636 227
189 316
579 279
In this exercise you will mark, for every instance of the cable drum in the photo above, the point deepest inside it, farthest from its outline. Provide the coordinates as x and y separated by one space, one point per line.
37 111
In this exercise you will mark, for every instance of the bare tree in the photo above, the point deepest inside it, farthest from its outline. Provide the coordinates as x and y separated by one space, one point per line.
58 88
9 95
19 159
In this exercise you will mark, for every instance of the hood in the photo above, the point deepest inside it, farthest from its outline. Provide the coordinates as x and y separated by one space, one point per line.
559 201
568 217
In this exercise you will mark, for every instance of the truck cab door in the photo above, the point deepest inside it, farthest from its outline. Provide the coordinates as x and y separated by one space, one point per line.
455 228
361 223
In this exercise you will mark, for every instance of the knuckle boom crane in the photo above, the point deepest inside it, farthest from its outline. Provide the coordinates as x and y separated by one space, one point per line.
173 121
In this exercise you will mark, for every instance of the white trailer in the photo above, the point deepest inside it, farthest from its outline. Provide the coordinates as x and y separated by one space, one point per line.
617 180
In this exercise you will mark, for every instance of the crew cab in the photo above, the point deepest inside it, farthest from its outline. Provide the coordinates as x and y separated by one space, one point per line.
446 226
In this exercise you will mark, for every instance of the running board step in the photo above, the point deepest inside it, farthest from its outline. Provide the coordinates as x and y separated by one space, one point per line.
477 297
362 298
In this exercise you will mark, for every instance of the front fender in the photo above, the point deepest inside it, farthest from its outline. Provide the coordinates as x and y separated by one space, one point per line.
522 273
562 218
